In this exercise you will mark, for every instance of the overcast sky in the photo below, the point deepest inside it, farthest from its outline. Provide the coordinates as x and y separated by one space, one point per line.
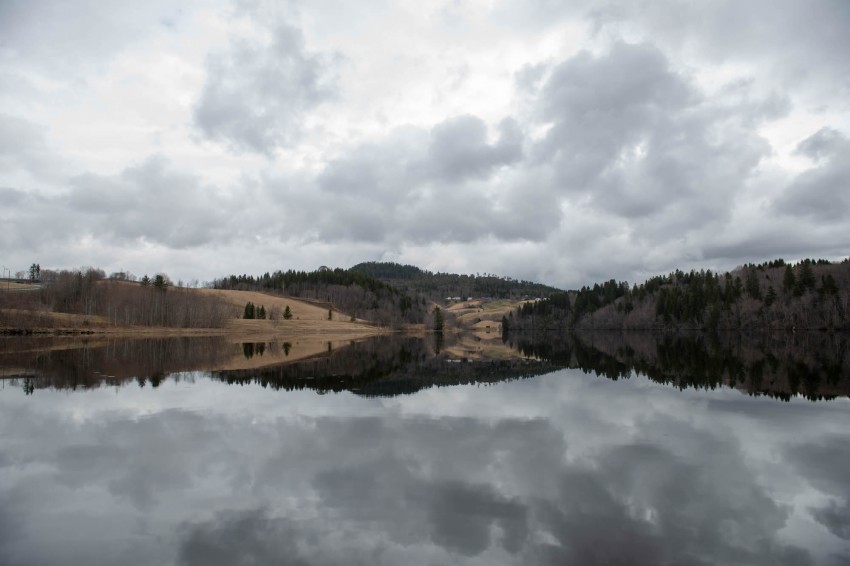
564 142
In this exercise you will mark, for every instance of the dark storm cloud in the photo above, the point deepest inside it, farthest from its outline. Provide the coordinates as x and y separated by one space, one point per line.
822 192
150 202
256 95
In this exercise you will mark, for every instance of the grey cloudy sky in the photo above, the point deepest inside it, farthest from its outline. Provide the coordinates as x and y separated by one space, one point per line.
558 141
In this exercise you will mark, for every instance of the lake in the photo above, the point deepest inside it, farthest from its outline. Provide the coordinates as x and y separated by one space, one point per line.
400 450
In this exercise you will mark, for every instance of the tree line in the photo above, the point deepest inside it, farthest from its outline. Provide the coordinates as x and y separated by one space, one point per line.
438 286
811 294
111 301
353 292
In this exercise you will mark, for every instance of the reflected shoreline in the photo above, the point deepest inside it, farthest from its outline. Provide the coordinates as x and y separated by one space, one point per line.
814 365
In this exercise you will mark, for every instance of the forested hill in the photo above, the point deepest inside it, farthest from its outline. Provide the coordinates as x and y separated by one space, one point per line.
808 295
438 286
352 292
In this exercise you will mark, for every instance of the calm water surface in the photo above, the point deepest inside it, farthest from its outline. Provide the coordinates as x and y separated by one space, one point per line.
305 463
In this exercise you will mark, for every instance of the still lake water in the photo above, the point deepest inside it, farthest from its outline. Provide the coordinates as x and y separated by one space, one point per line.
383 453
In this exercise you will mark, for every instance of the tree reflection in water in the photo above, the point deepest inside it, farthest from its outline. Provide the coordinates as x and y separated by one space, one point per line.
814 365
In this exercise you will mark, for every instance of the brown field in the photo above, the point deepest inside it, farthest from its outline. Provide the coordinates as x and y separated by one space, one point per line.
482 317
475 346
480 325
297 348
301 347
307 319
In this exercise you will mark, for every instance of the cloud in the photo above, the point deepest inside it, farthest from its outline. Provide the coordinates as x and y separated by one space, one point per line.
821 192
242 537
630 144
778 40
835 517
638 140
612 140
150 202
445 184
67 39
25 154
258 93
826 465
534 473
459 148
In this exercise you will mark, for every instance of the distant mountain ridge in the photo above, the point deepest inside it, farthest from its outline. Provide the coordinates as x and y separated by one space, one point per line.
439 286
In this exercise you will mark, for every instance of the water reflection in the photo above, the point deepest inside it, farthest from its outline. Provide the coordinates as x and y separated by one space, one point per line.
781 365
814 365
565 468
384 366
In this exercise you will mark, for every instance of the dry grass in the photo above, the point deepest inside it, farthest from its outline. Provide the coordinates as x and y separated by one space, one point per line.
480 314
300 348
307 319
11 286
476 346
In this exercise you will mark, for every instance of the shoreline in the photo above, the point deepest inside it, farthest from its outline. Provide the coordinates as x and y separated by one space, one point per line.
166 332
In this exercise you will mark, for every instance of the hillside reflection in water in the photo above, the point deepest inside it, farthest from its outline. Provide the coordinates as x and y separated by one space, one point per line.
207 452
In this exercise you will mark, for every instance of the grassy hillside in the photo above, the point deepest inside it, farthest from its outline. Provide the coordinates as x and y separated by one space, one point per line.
363 296
86 301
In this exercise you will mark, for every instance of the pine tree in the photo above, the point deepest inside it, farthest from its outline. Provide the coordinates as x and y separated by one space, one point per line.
788 280
330 314
828 285
438 320
287 313
752 285
770 296
807 276
249 312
